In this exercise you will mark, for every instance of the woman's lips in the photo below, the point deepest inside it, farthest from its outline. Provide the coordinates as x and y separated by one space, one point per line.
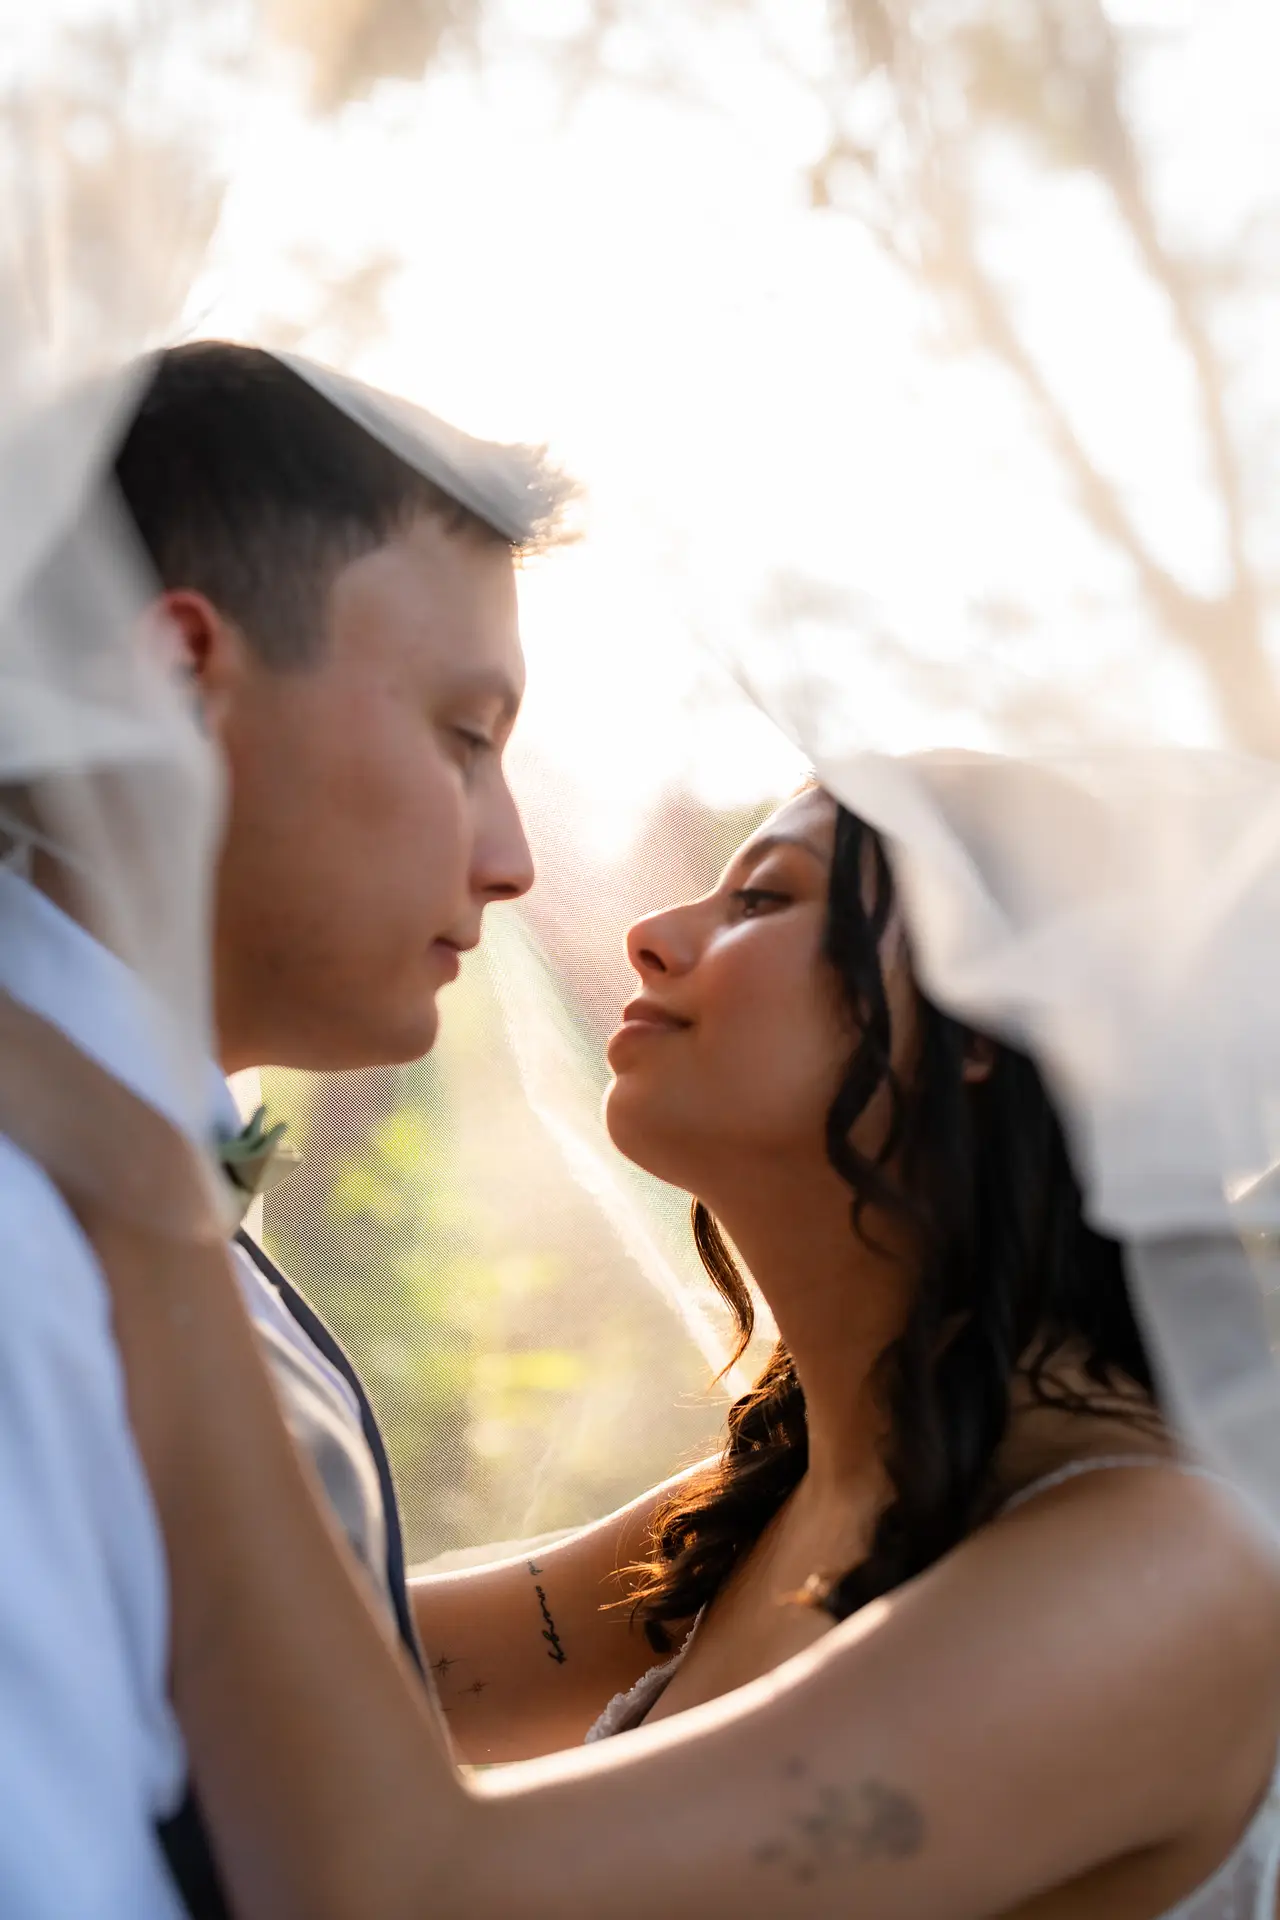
647 1013
643 1020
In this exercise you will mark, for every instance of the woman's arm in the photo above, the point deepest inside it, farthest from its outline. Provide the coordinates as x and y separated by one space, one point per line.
1094 1676
526 1653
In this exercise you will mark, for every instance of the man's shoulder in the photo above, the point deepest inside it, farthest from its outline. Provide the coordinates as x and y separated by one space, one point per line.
266 1304
290 1328
85 1723
252 1264
48 1266
271 1299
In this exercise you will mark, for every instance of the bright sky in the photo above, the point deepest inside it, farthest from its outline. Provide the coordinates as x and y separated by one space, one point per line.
747 391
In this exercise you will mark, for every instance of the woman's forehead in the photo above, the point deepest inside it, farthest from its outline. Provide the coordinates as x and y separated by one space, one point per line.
810 815
806 821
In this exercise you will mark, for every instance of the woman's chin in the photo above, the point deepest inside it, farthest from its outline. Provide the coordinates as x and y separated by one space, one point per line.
614 1113
638 1135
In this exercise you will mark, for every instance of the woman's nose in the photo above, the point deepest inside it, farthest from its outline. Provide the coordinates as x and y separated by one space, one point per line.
663 943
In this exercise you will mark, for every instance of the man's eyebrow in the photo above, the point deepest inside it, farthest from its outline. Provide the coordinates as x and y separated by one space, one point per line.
756 849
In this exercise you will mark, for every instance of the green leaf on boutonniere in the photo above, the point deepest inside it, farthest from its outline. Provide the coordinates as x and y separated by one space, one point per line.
256 1158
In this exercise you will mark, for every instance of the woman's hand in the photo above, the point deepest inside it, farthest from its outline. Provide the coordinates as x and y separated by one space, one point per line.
145 1197
108 1151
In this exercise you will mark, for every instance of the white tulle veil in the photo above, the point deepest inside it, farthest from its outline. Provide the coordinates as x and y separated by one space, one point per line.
1088 865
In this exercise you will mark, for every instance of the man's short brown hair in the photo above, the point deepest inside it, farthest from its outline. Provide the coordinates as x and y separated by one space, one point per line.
246 484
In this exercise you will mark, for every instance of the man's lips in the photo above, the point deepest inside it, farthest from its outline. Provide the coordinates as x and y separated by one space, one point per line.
449 956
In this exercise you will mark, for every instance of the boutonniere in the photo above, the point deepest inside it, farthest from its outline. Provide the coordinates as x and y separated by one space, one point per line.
256 1159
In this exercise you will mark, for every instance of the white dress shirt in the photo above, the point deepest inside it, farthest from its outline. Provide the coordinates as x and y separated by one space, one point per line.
90 1754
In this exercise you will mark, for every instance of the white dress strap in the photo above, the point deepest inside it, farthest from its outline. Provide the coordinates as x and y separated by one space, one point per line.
1244 1886
1270 1881
1102 1463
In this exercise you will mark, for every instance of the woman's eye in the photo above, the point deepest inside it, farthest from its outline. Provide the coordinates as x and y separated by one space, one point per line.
749 900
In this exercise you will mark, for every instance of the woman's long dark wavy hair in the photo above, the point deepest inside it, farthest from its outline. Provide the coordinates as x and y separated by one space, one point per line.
1010 1276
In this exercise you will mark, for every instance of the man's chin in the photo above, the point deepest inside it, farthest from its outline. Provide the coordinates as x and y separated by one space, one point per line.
394 1031
343 1045
413 1039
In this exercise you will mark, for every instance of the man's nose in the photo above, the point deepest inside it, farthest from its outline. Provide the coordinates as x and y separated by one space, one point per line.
502 865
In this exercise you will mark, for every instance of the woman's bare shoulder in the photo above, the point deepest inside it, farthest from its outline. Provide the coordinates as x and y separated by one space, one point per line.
1154 1569
1187 1519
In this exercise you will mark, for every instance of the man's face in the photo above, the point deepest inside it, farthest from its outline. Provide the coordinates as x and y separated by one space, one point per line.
370 820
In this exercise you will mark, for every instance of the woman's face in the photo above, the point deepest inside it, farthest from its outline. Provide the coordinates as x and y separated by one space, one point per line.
738 1041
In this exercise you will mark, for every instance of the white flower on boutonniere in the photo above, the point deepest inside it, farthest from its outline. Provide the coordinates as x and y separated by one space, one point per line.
255 1160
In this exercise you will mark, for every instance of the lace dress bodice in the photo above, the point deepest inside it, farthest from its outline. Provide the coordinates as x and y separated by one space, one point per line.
1243 1887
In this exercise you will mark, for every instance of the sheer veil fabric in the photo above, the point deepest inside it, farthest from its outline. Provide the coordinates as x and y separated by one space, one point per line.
1098 879
102 771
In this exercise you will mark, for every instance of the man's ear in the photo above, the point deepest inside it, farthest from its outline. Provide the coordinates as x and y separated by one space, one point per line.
979 1059
208 650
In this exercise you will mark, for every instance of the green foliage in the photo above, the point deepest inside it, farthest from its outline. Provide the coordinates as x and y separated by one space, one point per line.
359 1230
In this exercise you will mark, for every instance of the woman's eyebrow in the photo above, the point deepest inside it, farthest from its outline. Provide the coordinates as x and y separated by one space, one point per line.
756 849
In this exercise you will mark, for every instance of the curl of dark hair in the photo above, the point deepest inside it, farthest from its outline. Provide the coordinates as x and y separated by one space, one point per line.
1010 1276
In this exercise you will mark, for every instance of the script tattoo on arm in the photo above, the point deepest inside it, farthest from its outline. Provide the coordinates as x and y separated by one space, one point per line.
843 1827
554 1650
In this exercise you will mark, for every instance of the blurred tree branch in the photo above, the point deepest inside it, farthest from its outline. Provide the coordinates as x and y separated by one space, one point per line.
350 45
911 95
108 204
347 313
1052 74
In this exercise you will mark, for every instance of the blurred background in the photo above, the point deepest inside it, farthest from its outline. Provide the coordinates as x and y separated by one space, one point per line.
941 324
